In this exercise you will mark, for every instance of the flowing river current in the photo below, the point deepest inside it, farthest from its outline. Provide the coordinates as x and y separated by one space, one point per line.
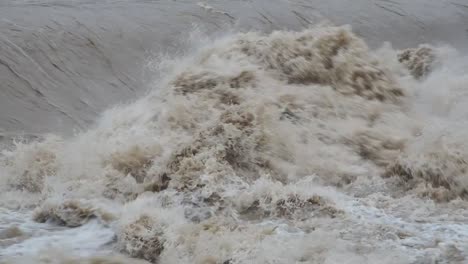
228 132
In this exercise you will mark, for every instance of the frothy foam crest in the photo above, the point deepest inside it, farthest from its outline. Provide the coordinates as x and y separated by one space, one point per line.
260 140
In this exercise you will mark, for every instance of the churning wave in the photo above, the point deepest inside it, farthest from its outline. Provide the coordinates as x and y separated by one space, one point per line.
289 147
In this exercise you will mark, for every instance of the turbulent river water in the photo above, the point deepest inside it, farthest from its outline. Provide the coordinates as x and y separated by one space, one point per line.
233 131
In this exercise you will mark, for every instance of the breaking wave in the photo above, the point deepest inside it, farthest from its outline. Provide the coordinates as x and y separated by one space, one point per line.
291 147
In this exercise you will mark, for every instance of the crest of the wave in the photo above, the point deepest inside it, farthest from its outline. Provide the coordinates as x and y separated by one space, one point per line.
289 147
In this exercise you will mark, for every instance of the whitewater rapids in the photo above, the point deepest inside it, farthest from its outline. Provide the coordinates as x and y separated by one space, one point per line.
302 146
